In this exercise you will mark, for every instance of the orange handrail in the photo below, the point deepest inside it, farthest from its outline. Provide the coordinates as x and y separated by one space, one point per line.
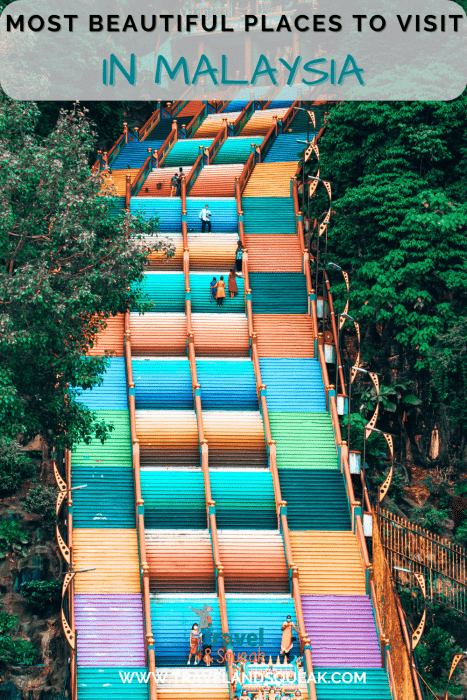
139 503
335 334
215 146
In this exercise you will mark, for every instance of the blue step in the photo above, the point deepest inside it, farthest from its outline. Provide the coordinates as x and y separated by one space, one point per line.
224 217
168 209
112 392
286 149
134 154
293 384
163 384
227 385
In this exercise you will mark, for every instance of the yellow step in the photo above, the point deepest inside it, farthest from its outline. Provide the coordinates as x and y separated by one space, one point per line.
329 563
270 180
114 553
115 182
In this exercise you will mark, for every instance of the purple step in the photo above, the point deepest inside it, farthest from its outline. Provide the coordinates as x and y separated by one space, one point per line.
110 630
342 631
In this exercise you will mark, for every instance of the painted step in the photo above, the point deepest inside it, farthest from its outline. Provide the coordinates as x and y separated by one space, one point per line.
167 438
172 641
304 440
110 340
277 253
236 149
284 335
107 683
201 301
108 501
217 181
218 335
110 630
163 383
180 561
254 562
278 292
212 251
342 631
270 180
316 499
160 259
329 563
162 334
213 123
116 450
168 210
134 154
114 181
267 215
263 616
352 684
224 217
286 147
261 121
173 498
235 439
112 391
293 384
227 384
185 152
160 131
115 556
158 182
165 291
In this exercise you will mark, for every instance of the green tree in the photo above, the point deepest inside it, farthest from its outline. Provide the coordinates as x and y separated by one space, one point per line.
68 261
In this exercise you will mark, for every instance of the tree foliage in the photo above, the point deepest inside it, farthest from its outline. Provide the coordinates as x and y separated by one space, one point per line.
68 261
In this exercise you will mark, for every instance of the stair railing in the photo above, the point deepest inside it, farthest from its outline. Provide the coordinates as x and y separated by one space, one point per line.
167 146
139 508
243 117
195 122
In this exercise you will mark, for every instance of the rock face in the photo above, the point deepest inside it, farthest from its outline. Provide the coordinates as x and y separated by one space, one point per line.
39 560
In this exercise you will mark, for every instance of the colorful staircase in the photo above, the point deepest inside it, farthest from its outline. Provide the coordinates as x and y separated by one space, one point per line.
228 438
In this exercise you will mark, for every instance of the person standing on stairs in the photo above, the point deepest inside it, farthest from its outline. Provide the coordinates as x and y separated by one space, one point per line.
220 291
232 283
287 638
213 288
174 184
238 256
181 174
194 644
205 216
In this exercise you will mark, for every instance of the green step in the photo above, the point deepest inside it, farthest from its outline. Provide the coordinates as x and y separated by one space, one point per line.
304 440
116 450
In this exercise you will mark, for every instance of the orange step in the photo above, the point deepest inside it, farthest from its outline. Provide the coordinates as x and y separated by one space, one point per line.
208 252
110 340
159 259
157 183
162 334
216 181
212 124
270 180
115 555
167 438
189 110
261 121
180 561
114 181
284 335
219 335
254 561
273 253
329 563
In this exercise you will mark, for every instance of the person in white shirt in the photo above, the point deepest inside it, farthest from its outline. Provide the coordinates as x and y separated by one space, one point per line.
205 216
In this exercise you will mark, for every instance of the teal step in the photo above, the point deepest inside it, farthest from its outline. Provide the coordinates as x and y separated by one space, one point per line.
236 149
108 501
173 498
165 290
115 450
278 293
352 684
303 440
107 683
201 294
268 214
184 152
316 499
